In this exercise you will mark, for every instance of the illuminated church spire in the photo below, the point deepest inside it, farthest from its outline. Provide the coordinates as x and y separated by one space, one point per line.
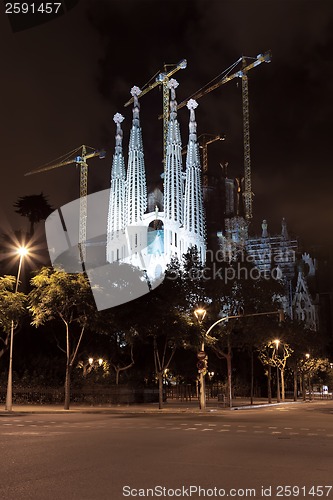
194 220
136 193
117 191
173 184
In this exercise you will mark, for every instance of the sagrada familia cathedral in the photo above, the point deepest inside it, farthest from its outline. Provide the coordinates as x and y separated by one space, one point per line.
147 230
150 239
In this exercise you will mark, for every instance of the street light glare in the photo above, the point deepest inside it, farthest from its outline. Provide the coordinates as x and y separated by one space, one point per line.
276 342
22 251
200 313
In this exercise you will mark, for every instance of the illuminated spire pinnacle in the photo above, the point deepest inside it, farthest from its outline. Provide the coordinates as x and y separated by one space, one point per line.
118 165
264 227
173 185
136 193
116 212
193 207
284 232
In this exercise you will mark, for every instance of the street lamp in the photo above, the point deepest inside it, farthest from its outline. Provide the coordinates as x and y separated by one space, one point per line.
22 252
278 393
200 314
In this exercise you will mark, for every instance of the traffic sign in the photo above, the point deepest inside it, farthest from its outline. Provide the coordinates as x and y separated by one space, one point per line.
201 355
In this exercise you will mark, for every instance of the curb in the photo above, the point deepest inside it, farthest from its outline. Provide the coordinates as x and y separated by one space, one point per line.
21 411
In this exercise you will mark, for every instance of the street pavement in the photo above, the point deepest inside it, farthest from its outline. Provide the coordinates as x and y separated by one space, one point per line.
107 453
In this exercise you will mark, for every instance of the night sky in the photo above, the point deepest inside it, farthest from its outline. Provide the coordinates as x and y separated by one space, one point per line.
62 82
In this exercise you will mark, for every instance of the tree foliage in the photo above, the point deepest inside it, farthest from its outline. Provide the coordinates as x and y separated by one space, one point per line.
12 309
35 207
57 295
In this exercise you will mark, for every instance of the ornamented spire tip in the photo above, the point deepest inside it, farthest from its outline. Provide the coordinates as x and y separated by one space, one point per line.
118 118
135 91
172 83
192 104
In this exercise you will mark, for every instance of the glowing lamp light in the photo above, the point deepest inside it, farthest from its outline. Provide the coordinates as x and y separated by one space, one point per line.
276 342
200 314
22 251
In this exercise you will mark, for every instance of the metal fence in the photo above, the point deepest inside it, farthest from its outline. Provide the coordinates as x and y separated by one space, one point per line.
90 396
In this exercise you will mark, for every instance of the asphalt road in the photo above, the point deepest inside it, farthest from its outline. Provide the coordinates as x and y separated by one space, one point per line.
116 456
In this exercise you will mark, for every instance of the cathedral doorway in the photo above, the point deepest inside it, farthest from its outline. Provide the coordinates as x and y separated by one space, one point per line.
155 237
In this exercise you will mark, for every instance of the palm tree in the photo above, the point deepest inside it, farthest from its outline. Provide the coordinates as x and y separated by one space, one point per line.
35 207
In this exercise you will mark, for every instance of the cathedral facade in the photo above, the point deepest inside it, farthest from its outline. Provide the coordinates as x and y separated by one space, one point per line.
149 239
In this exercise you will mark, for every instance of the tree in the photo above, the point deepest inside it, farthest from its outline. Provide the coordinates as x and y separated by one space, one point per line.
276 353
308 367
35 207
236 289
161 319
12 309
123 356
57 295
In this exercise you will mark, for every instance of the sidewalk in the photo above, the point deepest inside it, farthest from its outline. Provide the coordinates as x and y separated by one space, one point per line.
170 406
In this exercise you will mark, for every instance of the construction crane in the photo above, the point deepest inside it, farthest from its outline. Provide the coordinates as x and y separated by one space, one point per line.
162 78
204 140
227 77
78 157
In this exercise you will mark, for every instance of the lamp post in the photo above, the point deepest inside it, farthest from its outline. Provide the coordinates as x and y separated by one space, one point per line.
22 252
202 360
226 318
278 393
309 377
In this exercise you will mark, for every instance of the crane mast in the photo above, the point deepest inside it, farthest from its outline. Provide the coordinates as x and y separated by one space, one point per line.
246 140
81 161
204 140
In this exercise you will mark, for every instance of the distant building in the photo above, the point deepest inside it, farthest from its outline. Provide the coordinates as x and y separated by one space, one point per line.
274 256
